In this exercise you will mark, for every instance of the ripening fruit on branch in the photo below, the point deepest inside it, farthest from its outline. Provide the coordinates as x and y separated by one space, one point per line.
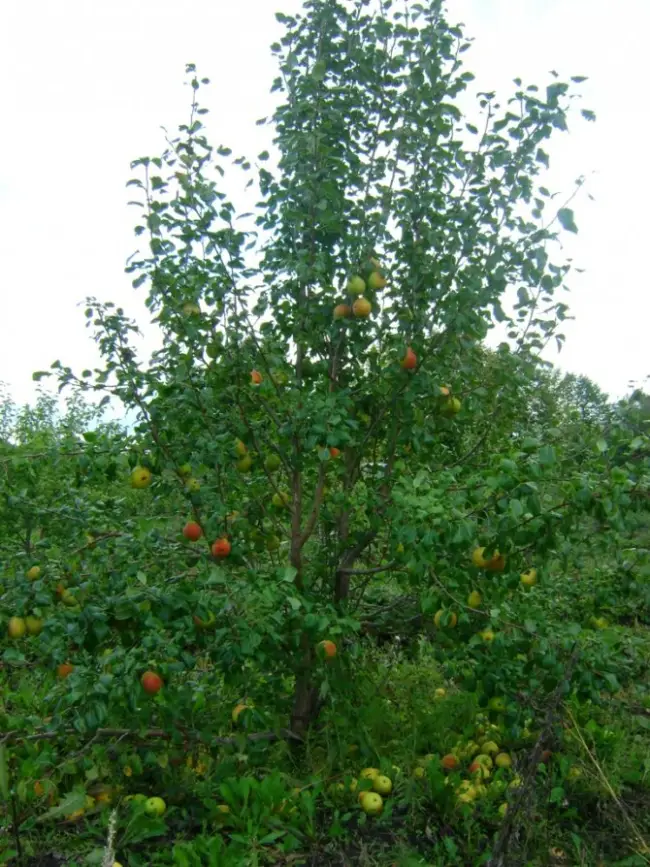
221 548
361 308
451 407
443 619
256 377
529 579
342 311
327 649
410 360
151 682
34 625
140 477
356 285
376 281
34 573
64 670
244 464
240 448
192 531
334 452
272 543
69 599
191 308
474 599
272 463
16 627
281 500
238 710
495 563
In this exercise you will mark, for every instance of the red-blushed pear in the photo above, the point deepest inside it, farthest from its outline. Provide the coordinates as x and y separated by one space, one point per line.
221 548
342 311
334 452
192 531
410 360
327 649
450 762
356 285
140 478
361 308
376 281
64 670
151 682
256 377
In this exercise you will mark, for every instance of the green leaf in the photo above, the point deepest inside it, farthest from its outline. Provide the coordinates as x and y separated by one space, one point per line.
4 772
547 455
516 509
565 216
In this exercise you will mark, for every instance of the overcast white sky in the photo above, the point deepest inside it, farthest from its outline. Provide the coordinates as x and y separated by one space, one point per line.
85 86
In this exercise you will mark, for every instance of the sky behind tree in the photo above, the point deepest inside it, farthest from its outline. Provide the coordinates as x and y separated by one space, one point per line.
86 87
